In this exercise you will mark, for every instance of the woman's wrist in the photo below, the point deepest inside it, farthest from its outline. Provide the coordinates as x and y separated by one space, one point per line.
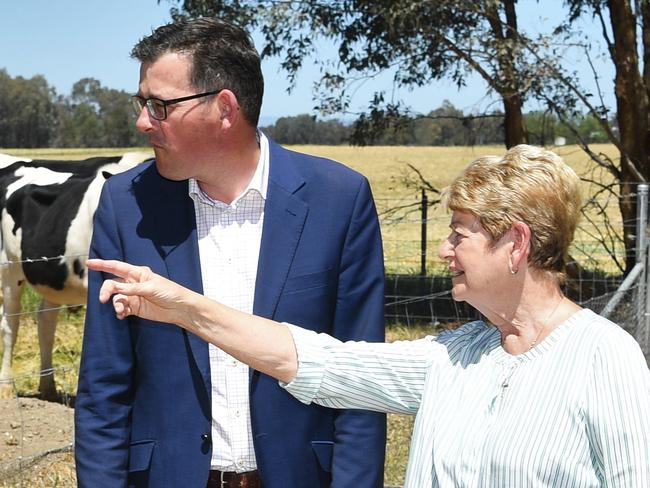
192 313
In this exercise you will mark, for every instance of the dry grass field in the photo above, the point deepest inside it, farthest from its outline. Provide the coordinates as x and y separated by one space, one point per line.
395 185
387 170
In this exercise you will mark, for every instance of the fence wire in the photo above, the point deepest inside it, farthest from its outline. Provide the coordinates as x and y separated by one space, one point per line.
418 284
417 291
32 431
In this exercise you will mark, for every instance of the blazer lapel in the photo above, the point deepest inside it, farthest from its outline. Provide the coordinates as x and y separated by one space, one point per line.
172 224
184 267
284 219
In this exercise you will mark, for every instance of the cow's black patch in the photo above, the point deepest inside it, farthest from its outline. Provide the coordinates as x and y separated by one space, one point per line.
44 213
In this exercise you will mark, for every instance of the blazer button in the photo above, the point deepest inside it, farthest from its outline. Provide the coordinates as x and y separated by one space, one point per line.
205 438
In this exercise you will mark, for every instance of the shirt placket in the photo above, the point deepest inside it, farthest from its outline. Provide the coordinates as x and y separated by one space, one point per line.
236 376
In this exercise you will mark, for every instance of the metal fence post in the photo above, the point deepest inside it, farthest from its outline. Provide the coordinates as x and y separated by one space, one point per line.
643 327
641 221
423 239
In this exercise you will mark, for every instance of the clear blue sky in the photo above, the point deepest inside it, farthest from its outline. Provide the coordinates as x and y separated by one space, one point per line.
66 40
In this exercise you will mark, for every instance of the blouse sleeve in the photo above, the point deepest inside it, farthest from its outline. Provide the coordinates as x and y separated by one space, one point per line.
618 412
385 377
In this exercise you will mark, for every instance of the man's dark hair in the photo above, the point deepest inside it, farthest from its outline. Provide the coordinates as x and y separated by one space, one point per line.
223 57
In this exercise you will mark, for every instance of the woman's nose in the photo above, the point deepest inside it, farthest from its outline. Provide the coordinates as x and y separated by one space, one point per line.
446 250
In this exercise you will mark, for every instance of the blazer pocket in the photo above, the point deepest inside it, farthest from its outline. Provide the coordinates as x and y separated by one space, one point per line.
310 280
140 454
324 451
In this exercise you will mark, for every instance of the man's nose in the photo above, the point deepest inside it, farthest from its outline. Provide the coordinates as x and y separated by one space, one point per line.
144 122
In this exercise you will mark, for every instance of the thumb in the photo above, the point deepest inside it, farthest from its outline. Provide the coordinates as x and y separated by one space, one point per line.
122 306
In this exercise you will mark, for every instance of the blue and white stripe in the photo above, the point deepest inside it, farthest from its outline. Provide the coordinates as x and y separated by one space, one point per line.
572 412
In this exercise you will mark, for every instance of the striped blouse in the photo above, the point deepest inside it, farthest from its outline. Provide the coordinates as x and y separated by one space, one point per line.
572 412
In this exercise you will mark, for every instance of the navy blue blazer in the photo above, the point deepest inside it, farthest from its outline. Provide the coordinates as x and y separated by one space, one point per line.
143 413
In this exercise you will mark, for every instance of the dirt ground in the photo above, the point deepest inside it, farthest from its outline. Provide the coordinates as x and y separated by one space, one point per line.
36 444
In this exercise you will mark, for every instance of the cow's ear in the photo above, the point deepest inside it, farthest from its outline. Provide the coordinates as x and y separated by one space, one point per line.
106 174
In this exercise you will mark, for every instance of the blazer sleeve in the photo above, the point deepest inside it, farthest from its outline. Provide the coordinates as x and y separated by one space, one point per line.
360 436
104 395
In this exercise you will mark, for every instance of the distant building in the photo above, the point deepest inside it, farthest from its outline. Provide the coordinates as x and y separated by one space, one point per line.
559 141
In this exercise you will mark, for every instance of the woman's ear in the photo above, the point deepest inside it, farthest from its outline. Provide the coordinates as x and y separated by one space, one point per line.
520 243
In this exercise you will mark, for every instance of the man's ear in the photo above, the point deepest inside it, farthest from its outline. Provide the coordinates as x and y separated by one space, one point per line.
520 243
228 108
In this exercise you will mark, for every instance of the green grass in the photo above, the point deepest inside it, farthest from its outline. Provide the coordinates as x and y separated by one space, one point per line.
65 354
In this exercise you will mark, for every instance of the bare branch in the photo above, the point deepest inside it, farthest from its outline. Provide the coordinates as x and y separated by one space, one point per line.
595 73
425 184
603 26
607 164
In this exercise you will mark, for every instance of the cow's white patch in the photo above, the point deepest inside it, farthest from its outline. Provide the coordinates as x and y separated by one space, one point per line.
36 176
8 160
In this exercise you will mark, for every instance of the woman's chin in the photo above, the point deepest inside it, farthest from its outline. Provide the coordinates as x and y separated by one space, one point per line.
457 293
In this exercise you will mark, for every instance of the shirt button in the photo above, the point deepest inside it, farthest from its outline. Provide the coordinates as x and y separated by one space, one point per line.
205 438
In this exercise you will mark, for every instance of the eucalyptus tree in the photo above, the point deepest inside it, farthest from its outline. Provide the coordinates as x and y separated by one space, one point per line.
417 41
421 41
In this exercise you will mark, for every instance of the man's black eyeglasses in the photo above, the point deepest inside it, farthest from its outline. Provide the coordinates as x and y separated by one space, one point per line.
158 107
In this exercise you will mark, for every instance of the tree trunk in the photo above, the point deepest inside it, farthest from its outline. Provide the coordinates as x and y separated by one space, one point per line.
515 129
507 37
632 115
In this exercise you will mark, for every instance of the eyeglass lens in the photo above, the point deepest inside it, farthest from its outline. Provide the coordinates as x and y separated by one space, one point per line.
156 107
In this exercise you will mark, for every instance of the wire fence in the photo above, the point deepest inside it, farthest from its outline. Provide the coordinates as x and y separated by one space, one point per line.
417 291
418 284
34 434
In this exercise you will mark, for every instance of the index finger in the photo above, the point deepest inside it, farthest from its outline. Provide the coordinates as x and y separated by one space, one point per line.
114 267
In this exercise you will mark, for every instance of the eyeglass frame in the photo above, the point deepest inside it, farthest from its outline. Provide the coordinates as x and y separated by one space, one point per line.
139 102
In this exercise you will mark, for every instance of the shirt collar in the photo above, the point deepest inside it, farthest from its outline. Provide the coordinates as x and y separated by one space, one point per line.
259 182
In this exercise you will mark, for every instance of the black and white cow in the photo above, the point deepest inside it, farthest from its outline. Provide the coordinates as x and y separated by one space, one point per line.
46 212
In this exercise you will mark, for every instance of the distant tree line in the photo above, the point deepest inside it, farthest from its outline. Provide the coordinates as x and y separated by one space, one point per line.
444 126
32 115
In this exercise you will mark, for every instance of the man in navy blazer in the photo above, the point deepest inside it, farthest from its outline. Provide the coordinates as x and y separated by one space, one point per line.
145 414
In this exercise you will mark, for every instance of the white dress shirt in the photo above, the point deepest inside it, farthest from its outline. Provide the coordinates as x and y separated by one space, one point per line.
229 245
